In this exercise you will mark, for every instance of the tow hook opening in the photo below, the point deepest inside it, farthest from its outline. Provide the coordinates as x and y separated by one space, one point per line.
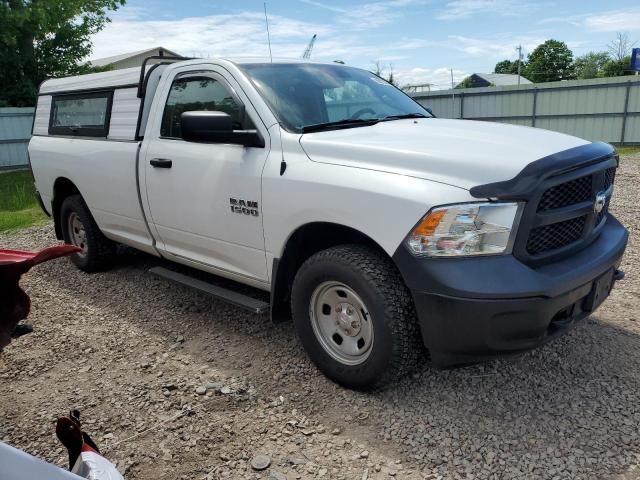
561 320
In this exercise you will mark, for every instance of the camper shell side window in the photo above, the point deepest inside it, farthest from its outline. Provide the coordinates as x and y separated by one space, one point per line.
81 114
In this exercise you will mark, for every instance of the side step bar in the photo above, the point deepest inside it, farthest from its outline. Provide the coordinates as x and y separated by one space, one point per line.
238 299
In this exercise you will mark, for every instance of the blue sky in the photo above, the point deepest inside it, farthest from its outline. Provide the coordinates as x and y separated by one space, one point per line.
422 39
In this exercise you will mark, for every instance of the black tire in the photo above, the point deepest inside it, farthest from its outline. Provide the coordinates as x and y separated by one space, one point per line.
397 345
99 251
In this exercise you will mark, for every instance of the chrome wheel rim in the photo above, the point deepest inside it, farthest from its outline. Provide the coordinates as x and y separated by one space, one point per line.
77 233
341 323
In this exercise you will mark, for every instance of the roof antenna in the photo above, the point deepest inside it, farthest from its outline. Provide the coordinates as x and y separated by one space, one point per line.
266 20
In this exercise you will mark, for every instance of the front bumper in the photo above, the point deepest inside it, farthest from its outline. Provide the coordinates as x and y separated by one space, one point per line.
475 308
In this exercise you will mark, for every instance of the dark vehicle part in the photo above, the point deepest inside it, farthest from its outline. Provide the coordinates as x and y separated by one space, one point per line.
355 317
80 229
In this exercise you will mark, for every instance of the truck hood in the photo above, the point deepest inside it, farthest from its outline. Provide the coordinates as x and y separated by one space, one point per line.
462 153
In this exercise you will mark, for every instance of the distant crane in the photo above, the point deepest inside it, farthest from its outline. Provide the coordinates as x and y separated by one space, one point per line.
307 51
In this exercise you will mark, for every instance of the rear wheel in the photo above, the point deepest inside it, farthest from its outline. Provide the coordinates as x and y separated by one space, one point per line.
80 229
355 317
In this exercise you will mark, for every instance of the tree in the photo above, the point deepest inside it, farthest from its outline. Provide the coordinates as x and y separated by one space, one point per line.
620 48
507 66
549 62
590 65
617 68
45 38
386 73
465 83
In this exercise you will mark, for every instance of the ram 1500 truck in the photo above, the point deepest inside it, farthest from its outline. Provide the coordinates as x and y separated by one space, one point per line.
384 232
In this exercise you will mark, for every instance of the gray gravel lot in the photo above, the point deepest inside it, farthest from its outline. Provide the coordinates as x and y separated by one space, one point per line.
130 351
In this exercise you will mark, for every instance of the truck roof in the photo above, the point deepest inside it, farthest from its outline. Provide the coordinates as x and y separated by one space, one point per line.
130 77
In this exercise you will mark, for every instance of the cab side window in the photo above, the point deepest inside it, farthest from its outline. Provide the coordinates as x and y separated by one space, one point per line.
197 94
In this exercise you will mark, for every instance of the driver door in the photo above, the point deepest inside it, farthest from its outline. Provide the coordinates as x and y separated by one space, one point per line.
191 187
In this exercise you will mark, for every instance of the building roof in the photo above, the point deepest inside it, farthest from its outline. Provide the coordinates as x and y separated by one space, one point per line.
101 62
500 79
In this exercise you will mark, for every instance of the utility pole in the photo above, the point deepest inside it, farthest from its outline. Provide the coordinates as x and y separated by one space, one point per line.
519 49
453 96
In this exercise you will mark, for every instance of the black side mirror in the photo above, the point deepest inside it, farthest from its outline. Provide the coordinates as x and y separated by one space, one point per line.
216 127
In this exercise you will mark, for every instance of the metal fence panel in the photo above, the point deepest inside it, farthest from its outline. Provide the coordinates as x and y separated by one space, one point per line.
632 135
15 131
605 109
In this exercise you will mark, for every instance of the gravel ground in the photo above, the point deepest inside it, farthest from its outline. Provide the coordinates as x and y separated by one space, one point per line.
131 351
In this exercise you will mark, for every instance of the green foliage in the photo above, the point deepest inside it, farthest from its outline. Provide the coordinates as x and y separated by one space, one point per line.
617 68
628 150
507 66
550 62
591 65
45 38
18 205
465 83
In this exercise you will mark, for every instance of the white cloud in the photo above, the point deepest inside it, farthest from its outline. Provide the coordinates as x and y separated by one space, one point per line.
244 35
609 21
368 15
462 9
614 21
215 35
438 78
500 47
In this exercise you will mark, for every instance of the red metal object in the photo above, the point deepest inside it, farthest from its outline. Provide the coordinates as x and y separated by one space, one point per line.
14 303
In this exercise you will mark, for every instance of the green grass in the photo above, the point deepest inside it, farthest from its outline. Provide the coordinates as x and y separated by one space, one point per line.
18 205
628 150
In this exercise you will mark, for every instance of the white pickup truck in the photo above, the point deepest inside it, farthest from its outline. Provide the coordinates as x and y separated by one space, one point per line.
384 232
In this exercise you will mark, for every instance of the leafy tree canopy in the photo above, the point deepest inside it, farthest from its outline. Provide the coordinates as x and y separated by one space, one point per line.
507 66
550 62
591 65
45 38
617 68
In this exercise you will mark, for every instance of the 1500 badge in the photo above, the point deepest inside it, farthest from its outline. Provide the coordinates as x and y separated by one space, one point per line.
247 207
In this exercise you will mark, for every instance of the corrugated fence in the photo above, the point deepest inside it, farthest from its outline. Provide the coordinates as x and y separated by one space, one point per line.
15 131
605 109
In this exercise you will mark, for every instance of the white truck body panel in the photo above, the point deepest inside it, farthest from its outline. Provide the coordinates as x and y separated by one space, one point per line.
105 175
124 114
41 119
463 153
113 78
383 206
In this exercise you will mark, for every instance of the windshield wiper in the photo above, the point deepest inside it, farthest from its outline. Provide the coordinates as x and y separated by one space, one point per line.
407 115
344 123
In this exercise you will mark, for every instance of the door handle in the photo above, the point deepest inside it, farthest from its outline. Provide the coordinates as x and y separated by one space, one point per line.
161 163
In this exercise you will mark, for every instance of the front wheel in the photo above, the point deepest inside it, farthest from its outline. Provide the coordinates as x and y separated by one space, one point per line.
355 317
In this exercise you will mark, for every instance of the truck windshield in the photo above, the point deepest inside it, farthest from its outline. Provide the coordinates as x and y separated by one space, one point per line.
314 97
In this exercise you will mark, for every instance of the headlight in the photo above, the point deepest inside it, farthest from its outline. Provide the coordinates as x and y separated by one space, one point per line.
466 229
